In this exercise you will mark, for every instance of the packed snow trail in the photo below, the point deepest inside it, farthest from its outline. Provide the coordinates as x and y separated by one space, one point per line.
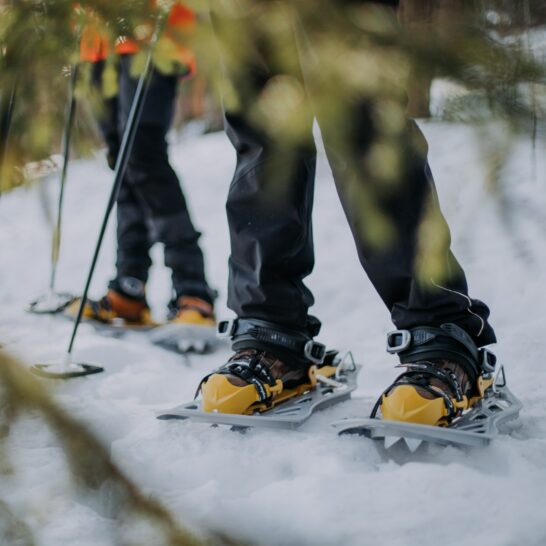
269 487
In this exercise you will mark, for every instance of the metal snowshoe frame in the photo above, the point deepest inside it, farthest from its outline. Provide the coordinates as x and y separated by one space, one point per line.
475 428
287 415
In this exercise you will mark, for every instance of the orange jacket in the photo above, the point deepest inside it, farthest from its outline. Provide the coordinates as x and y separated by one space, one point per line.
95 46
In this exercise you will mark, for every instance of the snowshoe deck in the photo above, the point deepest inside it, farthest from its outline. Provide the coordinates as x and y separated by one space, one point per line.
115 329
51 303
174 337
476 428
60 371
286 415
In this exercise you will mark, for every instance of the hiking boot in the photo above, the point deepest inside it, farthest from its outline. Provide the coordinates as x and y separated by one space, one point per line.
192 311
115 308
443 377
254 380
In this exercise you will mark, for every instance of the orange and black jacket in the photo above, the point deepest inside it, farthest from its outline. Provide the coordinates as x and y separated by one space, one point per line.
95 46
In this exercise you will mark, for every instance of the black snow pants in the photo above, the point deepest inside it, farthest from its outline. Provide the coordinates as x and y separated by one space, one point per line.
151 206
271 196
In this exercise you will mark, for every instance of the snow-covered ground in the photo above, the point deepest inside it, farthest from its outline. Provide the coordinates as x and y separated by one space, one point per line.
292 488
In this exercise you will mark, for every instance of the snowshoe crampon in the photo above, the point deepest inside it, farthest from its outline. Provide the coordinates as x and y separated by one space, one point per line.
328 384
488 417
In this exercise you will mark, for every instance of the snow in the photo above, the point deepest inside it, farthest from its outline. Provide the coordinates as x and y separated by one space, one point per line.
270 487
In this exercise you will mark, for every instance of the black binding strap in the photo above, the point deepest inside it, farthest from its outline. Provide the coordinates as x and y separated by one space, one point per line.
448 342
262 334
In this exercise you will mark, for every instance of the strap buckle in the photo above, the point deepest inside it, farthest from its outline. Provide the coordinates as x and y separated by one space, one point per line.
398 341
314 351
488 360
226 328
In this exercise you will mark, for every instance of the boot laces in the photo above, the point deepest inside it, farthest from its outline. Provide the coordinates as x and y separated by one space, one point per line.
439 379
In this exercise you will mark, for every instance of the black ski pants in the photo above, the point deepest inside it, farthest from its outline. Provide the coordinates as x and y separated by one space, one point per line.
271 196
151 206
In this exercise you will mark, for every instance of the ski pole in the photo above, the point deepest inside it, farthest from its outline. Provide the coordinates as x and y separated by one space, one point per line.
67 133
120 168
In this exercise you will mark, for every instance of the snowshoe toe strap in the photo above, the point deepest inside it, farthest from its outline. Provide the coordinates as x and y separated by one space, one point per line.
419 374
252 371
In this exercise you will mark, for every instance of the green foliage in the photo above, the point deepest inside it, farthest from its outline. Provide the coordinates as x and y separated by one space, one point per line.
39 41
351 52
355 53
358 50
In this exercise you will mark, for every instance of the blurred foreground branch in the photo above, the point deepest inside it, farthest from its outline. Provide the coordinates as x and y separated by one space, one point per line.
449 39
90 466
269 60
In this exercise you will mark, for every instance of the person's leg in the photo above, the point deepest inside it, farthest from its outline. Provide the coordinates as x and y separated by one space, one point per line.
155 185
393 266
386 210
133 243
269 213
106 113
379 162
271 195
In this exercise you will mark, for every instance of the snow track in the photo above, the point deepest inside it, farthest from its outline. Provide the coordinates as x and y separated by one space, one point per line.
271 487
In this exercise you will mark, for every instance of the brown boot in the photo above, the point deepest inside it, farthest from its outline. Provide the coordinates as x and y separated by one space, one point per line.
277 368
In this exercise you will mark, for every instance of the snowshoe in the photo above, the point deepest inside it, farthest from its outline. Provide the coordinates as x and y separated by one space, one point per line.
450 392
192 327
256 388
114 313
63 371
51 303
